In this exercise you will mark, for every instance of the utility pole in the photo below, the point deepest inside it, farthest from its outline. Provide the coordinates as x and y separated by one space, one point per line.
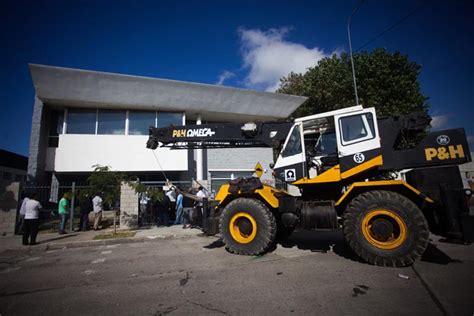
350 49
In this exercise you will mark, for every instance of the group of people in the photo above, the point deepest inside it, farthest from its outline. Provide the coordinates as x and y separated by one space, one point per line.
30 209
171 204
86 205
167 205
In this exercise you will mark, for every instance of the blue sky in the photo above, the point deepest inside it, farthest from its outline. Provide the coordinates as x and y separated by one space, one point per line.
246 44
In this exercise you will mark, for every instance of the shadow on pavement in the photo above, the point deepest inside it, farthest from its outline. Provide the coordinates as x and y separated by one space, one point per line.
434 255
215 244
321 241
44 241
315 241
324 241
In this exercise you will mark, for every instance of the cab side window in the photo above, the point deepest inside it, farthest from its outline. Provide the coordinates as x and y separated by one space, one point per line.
357 128
293 147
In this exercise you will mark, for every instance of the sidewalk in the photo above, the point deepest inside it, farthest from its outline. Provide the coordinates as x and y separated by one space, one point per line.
49 241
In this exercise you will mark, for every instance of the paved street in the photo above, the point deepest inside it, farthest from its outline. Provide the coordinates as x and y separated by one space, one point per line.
312 273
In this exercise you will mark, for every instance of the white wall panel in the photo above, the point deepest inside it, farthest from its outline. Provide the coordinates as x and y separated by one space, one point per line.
78 153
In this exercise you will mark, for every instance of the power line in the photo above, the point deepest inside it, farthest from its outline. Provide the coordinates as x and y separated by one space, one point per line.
391 27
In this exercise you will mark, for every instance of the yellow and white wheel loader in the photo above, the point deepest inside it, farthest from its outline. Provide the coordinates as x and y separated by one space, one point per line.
341 162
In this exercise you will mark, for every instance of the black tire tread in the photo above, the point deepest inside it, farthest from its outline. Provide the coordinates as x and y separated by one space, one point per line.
416 225
265 237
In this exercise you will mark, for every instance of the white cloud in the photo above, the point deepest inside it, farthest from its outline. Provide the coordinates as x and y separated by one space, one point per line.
439 122
224 76
268 57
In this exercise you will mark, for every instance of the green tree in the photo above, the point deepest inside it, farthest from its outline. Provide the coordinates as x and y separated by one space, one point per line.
106 183
386 81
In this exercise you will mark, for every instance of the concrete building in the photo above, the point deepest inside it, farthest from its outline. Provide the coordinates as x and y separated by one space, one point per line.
83 118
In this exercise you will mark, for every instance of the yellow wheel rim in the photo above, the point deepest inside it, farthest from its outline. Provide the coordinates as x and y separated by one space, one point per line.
237 224
392 239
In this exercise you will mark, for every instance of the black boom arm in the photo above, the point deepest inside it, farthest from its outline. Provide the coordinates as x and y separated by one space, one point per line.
220 135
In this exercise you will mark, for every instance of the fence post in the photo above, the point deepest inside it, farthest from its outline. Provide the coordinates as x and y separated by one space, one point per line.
71 224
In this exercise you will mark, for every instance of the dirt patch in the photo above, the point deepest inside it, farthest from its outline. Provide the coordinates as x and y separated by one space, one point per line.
121 234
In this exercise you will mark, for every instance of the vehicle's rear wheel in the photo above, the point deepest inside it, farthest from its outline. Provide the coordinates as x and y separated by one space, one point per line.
385 228
247 227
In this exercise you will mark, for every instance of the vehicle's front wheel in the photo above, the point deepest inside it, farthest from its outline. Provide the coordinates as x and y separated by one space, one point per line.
385 228
247 227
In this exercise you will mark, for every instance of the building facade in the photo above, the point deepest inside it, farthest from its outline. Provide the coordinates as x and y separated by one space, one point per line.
85 118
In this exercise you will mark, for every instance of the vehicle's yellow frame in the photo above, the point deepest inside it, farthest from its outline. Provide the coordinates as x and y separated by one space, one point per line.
268 193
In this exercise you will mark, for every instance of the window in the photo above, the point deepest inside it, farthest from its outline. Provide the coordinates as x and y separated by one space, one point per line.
166 119
327 144
354 128
140 121
81 121
111 122
55 127
293 146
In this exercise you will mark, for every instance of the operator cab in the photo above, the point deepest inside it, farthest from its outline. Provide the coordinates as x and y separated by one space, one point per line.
317 143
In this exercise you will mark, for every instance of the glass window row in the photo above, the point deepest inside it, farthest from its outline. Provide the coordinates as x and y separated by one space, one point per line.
114 122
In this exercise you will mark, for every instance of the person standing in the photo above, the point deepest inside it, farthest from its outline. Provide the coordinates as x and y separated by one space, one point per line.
144 199
199 205
30 231
97 206
21 218
171 194
179 208
86 208
63 210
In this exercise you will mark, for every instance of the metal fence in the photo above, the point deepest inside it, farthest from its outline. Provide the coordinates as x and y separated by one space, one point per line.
48 216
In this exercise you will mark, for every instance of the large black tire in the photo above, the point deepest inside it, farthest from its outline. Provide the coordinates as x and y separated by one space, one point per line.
247 227
385 228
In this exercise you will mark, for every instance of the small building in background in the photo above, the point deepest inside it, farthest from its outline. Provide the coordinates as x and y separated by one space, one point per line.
13 167
12 173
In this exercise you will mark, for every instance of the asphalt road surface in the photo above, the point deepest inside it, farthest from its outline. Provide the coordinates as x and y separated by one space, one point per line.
313 273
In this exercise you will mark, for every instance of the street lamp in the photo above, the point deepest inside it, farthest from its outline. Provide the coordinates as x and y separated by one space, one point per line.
350 49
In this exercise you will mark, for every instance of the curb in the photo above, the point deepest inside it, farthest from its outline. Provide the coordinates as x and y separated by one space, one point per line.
113 241
93 243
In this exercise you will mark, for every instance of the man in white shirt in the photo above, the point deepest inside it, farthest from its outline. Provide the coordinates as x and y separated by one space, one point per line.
171 194
21 218
30 231
200 194
97 204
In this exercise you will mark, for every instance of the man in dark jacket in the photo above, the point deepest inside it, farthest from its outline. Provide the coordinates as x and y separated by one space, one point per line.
86 208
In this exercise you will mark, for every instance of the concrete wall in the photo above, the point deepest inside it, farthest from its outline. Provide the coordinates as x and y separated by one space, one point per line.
234 159
38 141
9 194
78 153
128 207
